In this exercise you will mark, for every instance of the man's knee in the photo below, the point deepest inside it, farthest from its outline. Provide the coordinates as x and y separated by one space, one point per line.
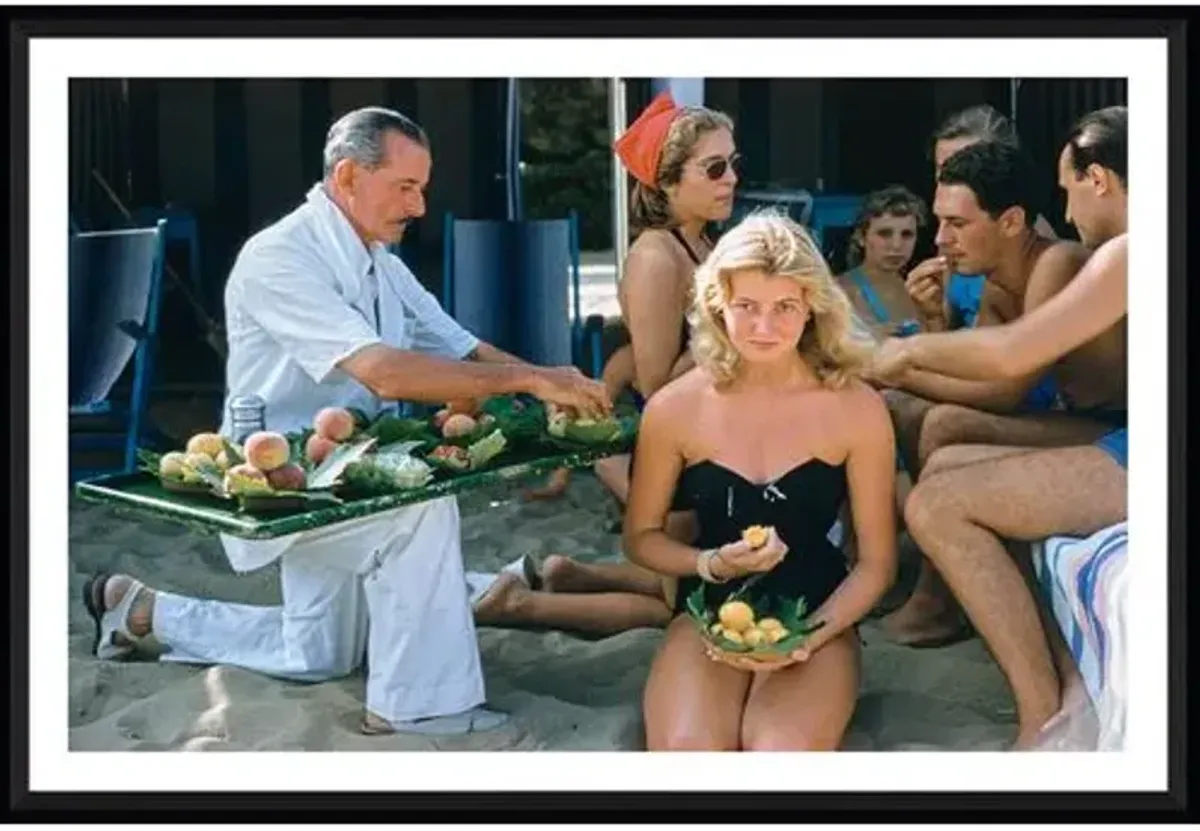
926 507
944 424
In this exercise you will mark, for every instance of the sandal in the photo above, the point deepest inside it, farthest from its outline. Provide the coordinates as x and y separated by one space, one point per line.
111 622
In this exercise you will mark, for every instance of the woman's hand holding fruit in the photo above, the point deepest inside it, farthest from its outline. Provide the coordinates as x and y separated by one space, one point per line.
759 549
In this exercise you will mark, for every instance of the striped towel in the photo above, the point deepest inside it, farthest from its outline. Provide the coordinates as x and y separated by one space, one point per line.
1085 585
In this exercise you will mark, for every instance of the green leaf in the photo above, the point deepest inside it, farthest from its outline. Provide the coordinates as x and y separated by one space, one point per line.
235 453
331 469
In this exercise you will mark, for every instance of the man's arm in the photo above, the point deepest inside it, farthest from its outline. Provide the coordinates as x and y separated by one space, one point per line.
1053 271
486 353
1091 303
999 395
318 329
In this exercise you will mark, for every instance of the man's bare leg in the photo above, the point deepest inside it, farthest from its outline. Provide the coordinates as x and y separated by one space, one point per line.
946 425
931 617
908 415
958 517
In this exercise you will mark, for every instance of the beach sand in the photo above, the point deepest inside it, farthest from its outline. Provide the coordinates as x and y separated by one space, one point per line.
564 692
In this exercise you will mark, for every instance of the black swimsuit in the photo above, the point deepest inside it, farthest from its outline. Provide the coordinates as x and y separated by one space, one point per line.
802 505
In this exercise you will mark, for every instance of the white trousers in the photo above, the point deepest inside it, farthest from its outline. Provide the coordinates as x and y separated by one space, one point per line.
391 585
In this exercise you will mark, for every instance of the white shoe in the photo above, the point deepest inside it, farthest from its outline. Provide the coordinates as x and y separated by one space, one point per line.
476 720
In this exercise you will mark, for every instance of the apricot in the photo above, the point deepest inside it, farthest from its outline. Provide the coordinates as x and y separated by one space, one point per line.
223 461
210 444
458 424
171 465
736 616
194 464
318 447
244 479
756 536
769 624
266 450
731 635
290 477
754 636
334 423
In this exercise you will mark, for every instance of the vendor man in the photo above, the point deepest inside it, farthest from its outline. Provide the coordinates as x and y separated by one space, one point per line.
319 314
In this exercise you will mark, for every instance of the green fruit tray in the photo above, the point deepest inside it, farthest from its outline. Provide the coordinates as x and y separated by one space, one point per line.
142 493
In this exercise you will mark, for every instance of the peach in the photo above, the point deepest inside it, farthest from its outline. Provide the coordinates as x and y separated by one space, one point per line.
210 444
458 425
334 423
318 447
246 478
171 465
223 461
290 477
267 451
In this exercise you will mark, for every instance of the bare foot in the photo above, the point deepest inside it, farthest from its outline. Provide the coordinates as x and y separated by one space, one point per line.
556 485
925 621
556 572
503 601
1074 727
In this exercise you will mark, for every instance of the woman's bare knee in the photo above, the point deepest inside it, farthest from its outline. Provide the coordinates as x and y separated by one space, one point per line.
683 738
784 738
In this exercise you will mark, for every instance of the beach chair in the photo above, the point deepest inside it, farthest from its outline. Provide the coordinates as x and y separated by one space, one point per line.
830 211
114 295
1085 585
504 281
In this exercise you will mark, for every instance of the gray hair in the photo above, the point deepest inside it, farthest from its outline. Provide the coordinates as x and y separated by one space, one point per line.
361 135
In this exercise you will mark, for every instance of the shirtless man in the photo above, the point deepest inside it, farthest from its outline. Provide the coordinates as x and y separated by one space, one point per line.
970 497
985 226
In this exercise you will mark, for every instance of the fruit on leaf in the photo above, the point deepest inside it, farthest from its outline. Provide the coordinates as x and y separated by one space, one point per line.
266 450
458 425
194 466
171 465
290 477
451 456
736 616
334 423
209 444
318 447
246 479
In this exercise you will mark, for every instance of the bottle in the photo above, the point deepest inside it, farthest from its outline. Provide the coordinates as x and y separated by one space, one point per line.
247 415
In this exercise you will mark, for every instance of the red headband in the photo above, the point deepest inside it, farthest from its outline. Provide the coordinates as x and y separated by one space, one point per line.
640 148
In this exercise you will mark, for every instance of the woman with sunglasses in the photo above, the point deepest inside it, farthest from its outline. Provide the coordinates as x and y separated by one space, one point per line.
683 162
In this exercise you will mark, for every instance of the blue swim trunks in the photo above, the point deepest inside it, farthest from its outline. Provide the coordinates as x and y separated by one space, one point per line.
1116 444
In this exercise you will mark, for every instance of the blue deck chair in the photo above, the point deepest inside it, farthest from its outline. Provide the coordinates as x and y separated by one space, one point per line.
503 280
832 211
114 295
181 227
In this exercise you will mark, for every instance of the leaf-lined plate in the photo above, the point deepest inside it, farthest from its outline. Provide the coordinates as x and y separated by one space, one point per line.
791 612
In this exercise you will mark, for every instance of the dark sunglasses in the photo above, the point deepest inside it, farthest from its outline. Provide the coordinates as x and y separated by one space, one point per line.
716 168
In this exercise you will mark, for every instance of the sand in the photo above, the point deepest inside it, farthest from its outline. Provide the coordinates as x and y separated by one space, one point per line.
564 692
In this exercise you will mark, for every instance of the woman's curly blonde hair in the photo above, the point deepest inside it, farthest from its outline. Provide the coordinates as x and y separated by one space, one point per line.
778 246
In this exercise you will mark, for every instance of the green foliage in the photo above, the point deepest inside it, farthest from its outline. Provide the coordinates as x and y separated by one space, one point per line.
567 154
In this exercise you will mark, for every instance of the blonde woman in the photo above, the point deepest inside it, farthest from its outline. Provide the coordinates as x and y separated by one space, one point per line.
772 428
